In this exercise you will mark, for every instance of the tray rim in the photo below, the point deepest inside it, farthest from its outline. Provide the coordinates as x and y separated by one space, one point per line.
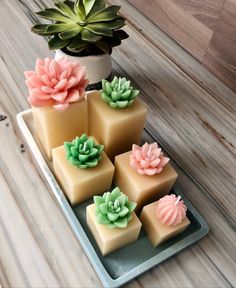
80 234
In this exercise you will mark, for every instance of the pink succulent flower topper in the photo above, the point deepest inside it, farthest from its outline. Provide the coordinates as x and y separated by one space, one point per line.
171 210
148 159
56 83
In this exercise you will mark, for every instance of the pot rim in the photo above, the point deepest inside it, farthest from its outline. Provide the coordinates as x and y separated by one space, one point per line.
89 56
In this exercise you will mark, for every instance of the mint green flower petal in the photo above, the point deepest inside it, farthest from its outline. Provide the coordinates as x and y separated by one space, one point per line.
112 216
118 94
121 223
102 219
83 153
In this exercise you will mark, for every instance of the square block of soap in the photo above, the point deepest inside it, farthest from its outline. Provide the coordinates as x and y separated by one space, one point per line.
116 129
156 231
142 189
79 185
111 239
53 127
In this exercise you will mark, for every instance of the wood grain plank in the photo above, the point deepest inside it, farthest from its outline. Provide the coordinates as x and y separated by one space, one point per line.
220 58
206 11
190 33
195 70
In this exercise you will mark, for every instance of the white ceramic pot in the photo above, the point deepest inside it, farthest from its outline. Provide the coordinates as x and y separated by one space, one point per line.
98 67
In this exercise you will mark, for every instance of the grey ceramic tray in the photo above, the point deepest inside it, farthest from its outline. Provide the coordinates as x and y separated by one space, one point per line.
125 264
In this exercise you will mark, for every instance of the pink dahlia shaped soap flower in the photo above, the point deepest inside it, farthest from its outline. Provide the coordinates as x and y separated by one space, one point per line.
148 159
56 83
171 210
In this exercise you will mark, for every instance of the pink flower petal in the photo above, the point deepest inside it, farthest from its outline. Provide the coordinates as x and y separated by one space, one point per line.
73 96
63 75
47 81
71 83
61 85
154 145
84 83
54 69
39 102
47 89
141 171
39 68
37 93
144 164
60 96
164 161
35 81
29 74
155 163
150 171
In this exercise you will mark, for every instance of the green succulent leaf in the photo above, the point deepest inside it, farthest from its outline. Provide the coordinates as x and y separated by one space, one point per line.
70 33
65 9
88 5
83 153
107 14
57 43
77 44
118 94
114 209
98 6
53 14
57 28
100 29
90 37
40 29
80 10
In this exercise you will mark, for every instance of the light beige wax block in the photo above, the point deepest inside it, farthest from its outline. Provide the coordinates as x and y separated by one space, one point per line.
142 189
79 185
53 127
157 232
111 239
116 129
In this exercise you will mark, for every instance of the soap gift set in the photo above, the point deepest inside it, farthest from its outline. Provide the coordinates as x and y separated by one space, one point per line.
63 117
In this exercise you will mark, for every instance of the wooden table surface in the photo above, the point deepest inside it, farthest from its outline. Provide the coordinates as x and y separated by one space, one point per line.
191 114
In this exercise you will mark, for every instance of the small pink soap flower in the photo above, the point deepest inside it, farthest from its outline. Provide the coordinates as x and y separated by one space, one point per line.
171 210
56 83
148 159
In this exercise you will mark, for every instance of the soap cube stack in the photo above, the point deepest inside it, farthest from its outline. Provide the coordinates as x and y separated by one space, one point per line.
87 166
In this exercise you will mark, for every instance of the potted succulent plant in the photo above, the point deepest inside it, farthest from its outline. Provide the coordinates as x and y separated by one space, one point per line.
84 31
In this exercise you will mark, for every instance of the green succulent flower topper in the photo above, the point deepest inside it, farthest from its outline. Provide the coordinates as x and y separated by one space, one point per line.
83 152
82 25
119 94
114 209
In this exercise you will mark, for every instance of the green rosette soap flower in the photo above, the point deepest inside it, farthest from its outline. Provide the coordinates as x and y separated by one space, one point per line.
114 209
83 152
119 93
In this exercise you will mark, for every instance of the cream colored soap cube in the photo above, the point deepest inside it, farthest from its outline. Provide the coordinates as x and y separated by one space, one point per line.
116 129
157 232
142 189
111 239
79 185
53 128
